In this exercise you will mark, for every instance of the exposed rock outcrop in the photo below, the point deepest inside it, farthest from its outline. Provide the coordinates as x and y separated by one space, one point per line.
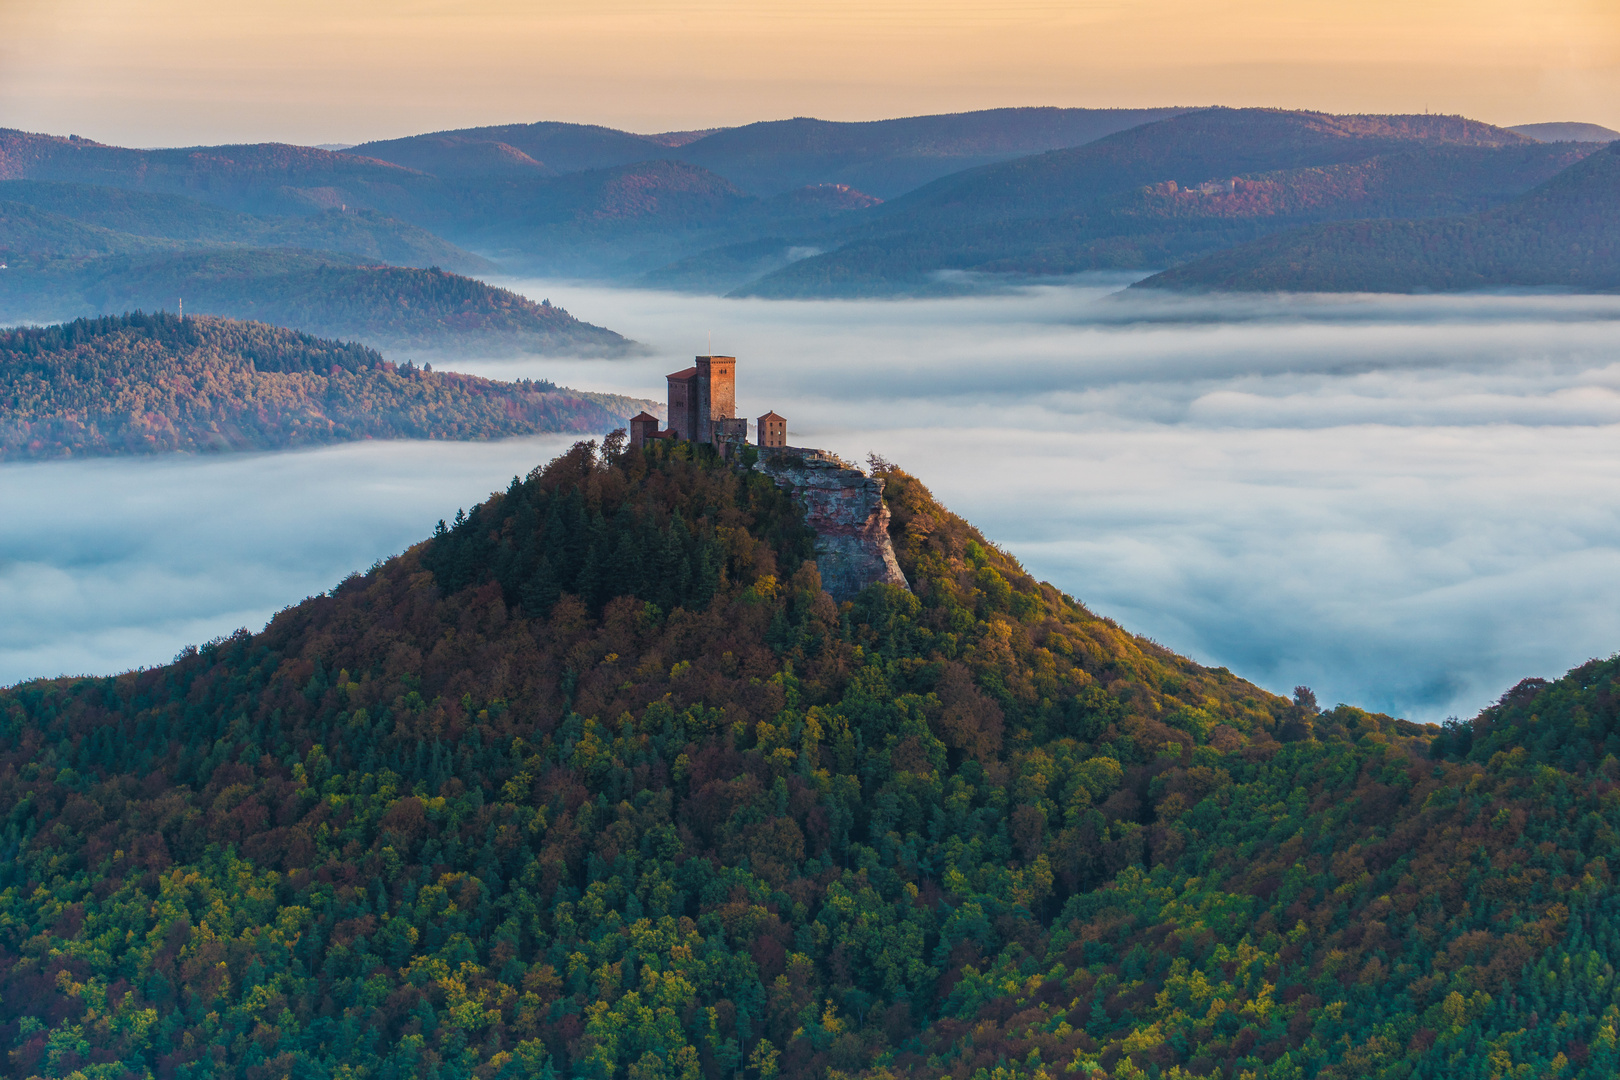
846 509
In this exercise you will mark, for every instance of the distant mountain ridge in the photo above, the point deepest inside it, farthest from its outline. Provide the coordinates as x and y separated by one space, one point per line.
887 158
58 218
1567 132
1563 234
1132 200
427 312
790 208
256 178
883 157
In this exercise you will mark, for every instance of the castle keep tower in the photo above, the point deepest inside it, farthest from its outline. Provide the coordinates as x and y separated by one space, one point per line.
717 393
701 396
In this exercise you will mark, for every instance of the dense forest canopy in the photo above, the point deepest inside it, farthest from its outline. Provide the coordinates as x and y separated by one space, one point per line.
140 383
40 218
598 782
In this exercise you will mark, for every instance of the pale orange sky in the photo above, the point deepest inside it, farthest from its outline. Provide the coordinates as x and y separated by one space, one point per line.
174 72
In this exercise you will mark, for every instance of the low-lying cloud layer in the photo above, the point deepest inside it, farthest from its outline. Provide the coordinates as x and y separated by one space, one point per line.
1407 503
114 563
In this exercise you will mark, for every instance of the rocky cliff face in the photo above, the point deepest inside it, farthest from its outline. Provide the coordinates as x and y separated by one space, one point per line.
846 509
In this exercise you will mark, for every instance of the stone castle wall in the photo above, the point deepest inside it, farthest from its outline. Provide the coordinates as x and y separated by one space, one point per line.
845 507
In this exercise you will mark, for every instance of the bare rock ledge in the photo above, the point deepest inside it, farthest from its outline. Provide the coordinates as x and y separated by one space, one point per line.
845 507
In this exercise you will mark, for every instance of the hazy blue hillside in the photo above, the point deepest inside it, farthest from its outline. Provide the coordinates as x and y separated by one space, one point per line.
65 219
1567 132
258 178
1565 234
455 156
889 157
1190 148
685 209
425 312
374 237
26 229
884 157
149 214
560 147
1092 208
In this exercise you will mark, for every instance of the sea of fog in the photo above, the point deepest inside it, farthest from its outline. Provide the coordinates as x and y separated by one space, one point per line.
1408 503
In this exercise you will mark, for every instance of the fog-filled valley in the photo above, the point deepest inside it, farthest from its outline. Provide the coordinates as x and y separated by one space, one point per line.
1402 502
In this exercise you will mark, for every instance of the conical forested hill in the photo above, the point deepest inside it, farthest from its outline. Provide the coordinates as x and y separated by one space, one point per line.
599 783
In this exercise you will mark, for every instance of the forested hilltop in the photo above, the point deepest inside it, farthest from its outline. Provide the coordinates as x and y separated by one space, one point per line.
142 383
428 311
598 782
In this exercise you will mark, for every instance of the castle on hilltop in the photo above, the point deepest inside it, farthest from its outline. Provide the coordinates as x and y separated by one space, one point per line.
842 505
703 407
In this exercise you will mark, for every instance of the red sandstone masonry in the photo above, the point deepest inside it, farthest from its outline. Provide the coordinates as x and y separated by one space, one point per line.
845 507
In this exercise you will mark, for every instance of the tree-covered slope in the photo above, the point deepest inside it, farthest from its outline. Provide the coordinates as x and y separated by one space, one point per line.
555 146
1563 234
153 383
1567 132
424 311
892 157
62 219
1173 190
597 782
270 178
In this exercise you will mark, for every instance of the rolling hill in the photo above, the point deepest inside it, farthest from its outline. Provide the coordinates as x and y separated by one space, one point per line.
157 383
1567 132
788 208
597 781
64 219
556 147
1168 191
1564 234
454 156
884 157
264 178
890 157
426 312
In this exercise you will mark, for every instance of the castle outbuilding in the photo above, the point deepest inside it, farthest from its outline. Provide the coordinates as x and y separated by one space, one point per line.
643 426
772 430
